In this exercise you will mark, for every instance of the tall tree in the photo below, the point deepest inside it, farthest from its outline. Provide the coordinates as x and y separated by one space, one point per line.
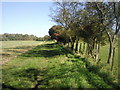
111 15
66 16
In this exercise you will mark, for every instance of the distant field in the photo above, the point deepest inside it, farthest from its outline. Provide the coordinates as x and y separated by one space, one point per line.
11 44
10 49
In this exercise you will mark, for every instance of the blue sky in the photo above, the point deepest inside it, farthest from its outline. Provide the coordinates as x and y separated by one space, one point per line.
26 18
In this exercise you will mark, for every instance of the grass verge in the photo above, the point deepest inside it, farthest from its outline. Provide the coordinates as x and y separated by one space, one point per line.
51 66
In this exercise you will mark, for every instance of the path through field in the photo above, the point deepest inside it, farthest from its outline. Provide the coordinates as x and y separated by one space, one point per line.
52 66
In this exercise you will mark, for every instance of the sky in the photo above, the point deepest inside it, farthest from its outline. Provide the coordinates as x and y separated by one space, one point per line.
26 18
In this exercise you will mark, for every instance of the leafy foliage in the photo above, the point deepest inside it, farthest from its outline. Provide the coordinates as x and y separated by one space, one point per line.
7 37
45 38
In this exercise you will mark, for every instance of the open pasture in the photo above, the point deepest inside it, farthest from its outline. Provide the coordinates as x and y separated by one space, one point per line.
11 49
49 65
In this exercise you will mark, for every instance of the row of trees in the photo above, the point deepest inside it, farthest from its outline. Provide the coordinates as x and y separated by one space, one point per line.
95 23
45 38
9 37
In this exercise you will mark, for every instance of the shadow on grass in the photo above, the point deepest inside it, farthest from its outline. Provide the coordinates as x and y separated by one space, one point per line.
23 47
5 54
95 69
32 74
29 75
47 50
62 76
7 87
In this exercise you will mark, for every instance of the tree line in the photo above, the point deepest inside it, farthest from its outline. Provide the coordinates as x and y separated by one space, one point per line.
10 37
45 38
93 23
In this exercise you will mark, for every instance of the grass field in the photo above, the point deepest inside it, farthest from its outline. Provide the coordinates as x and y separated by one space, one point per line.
49 65
104 57
11 49
104 67
13 44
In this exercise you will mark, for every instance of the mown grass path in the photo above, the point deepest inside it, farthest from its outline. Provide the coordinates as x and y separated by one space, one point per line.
51 66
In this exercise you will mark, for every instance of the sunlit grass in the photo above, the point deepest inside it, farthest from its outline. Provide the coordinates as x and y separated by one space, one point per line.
55 68
11 49
11 44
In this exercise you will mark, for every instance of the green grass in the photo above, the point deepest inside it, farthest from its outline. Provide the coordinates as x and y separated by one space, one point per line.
51 66
104 50
103 56
11 49
12 44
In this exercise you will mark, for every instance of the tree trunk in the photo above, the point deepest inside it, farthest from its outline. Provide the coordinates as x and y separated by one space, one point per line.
94 46
71 41
76 47
90 50
84 47
68 44
111 53
72 45
87 49
111 49
113 59
97 52
80 47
